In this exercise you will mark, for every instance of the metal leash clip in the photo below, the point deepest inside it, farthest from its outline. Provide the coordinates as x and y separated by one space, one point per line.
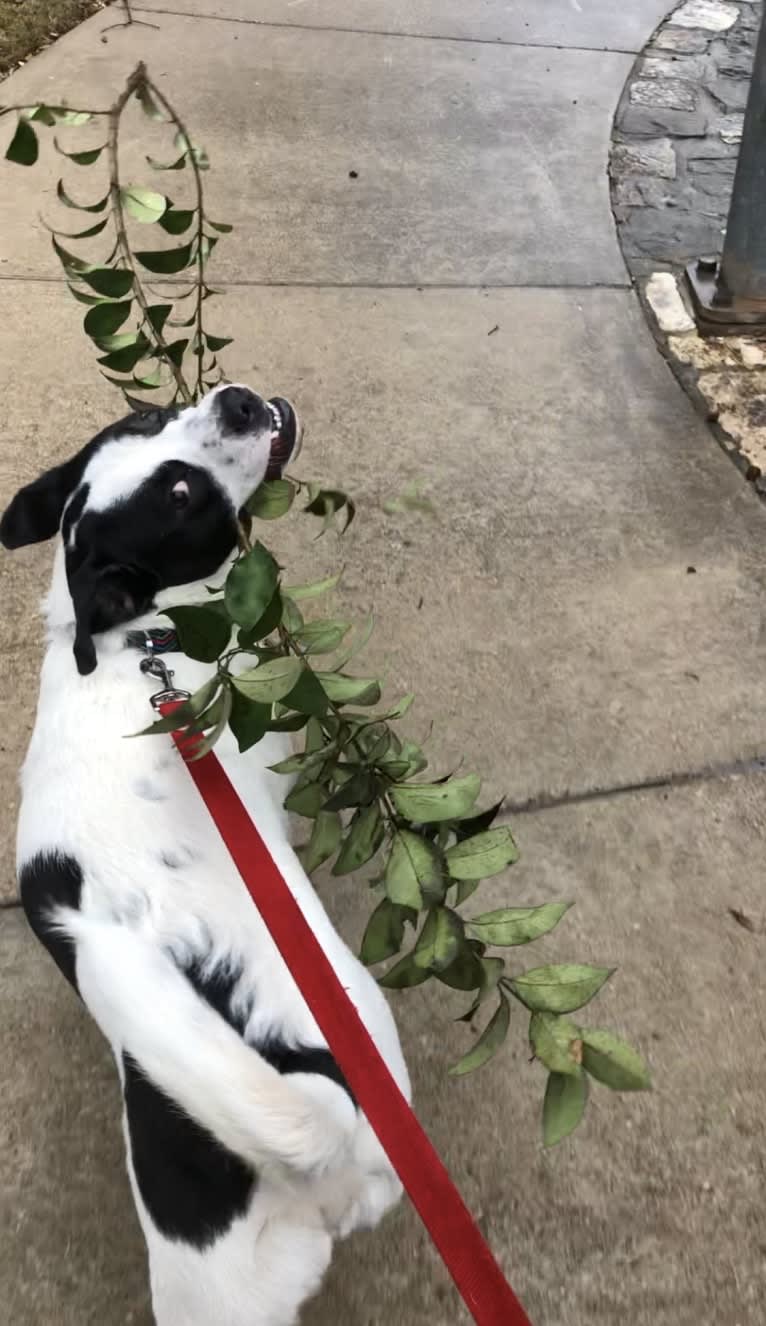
153 666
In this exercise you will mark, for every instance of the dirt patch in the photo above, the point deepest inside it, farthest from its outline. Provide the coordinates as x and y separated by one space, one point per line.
28 25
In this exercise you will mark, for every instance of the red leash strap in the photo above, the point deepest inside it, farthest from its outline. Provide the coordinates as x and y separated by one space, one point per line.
484 1289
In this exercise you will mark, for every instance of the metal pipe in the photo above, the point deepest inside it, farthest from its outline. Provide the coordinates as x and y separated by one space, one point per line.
742 274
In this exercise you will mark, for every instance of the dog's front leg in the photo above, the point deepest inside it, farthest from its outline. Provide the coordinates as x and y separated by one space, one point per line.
148 1009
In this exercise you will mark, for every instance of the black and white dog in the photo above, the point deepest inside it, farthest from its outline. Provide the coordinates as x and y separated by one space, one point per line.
246 1152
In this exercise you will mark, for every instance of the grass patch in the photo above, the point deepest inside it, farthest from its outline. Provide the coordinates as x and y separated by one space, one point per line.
28 25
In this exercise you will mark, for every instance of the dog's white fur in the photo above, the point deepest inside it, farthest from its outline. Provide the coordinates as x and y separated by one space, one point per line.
117 805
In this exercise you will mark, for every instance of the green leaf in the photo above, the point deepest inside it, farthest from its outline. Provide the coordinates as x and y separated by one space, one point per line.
166 260
326 502
198 153
307 800
204 630
222 227
250 586
432 802
517 925
125 359
465 973
359 790
404 975
307 695
83 234
323 842
205 247
413 870
362 840
250 635
121 340
385 932
614 1062
466 828
148 104
564 1106
143 204
311 591
491 971
488 1043
440 939
24 148
105 319
269 681
157 315
271 499
216 719
219 343
305 761
175 220
559 989
360 638
484 855
64 197
293 617
465 888
178 164
86 158
71 118
111 281
175 351
292 723
322 637
248 720
556 1042
82 297
347 690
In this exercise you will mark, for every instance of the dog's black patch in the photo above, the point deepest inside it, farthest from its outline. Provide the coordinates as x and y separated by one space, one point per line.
217 989
123 555
52 880
191 1185
303 1059
35 512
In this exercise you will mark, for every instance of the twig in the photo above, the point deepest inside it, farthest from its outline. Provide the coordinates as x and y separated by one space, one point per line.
200 255
130 21
137 79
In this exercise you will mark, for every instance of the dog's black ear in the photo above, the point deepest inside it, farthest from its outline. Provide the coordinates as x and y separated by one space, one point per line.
104 596
36 510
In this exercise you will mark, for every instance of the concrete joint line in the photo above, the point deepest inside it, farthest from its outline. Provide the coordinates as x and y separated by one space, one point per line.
709 773
382 32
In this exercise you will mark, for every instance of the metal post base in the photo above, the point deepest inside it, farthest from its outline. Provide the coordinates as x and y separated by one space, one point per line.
719 313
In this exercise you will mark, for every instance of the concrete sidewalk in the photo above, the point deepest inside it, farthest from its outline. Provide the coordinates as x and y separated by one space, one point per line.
584 617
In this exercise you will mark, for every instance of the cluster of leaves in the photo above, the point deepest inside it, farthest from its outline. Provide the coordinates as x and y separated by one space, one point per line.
356 781
143 329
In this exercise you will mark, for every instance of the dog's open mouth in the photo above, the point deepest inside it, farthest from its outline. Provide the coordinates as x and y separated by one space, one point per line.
285 436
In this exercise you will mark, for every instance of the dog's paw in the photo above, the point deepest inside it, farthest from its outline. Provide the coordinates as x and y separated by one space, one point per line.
376 1195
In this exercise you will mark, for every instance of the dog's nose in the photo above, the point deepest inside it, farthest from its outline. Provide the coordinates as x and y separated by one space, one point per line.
241 411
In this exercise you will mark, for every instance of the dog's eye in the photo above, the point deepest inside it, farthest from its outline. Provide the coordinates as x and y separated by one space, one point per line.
180 493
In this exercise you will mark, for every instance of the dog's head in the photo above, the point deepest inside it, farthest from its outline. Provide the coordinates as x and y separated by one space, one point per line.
152 502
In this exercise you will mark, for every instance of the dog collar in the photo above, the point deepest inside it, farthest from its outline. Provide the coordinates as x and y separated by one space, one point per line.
156 640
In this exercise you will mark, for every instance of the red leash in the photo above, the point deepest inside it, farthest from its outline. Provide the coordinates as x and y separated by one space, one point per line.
484 1289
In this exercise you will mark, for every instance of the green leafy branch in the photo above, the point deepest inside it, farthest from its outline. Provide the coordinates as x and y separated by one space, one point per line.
147 355
356 782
